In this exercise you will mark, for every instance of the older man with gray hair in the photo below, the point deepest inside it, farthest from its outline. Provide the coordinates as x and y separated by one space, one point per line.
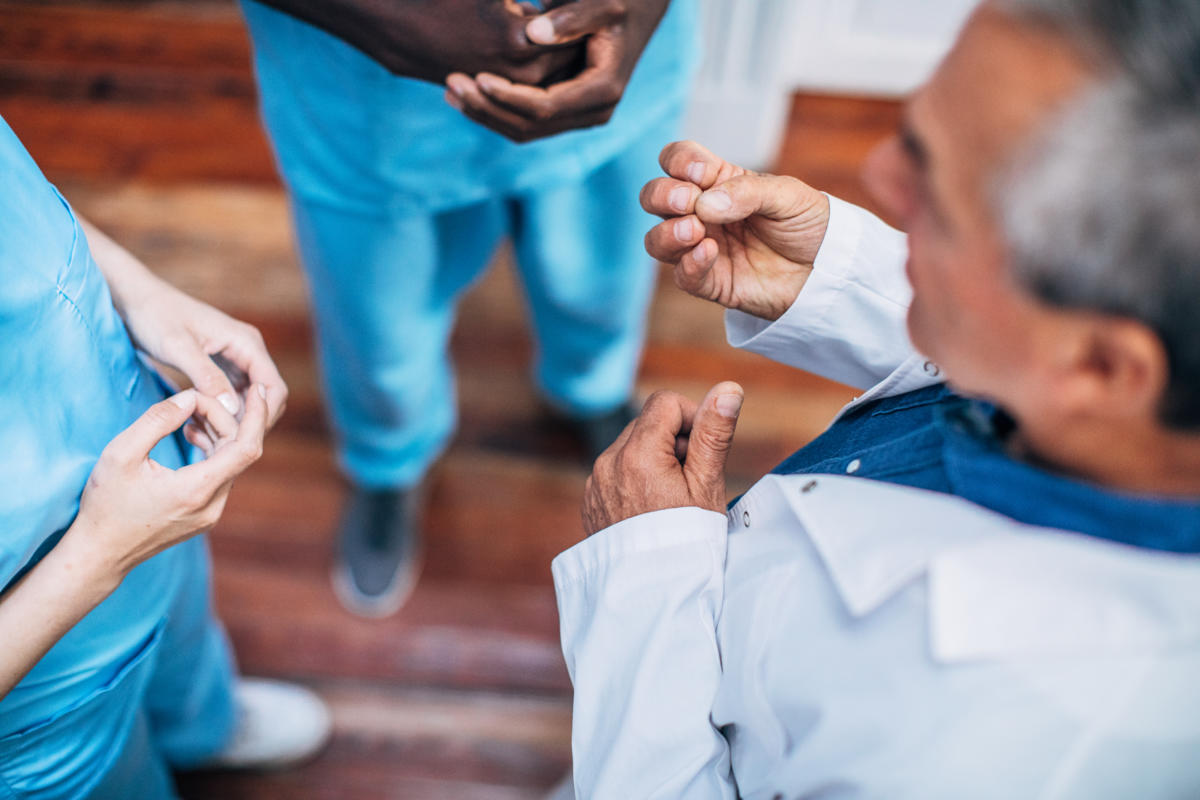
982 580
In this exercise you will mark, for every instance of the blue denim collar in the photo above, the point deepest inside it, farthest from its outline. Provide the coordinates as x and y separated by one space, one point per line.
979 468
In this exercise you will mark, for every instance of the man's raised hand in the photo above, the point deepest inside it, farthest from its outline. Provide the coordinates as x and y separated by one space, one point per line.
743 240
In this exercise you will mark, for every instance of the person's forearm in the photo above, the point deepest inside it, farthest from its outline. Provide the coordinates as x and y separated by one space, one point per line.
47 602
129 280
378 28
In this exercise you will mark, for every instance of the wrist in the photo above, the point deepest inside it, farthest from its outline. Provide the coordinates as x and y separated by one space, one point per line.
91 567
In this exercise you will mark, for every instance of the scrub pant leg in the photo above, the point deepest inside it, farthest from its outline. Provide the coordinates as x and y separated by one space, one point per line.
189 702
384 289
186 711
588 278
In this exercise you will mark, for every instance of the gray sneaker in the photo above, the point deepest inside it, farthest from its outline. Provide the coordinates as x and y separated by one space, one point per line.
378 551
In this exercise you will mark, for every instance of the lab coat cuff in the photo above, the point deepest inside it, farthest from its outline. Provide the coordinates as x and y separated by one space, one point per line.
637 536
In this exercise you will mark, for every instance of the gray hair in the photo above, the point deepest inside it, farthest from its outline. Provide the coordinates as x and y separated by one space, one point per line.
1102 210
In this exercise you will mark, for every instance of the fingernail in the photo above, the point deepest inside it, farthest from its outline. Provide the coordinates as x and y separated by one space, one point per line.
729 405
540 30
453 101
695 171
716 201
229 402
701 254
262 391
683 230
183 399
678 198
487 82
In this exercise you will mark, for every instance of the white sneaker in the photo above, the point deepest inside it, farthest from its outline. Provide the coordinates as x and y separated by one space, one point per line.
278 725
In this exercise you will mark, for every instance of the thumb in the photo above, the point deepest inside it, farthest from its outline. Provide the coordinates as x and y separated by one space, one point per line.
133 445
712 435
208 378
573 21
772 196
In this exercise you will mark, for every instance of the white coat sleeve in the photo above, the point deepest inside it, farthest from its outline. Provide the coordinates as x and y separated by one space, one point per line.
848 322
638 604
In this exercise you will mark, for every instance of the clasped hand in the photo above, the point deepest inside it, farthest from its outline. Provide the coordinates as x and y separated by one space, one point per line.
605 39
671 456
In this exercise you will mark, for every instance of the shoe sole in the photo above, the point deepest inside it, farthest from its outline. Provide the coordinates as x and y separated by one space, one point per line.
373 606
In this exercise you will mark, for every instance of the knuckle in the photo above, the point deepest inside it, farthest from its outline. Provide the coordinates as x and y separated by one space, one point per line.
608 95
159 415
252 333
657 398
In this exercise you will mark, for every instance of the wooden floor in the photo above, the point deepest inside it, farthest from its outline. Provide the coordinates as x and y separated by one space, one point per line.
143 114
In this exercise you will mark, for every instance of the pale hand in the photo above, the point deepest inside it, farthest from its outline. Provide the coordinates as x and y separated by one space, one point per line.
185 334
133 507
743 240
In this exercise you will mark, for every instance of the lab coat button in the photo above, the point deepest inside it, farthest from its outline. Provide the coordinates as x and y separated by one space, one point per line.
746 518
932 369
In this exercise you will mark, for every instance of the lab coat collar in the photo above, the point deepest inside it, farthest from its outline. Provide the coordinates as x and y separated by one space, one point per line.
997 588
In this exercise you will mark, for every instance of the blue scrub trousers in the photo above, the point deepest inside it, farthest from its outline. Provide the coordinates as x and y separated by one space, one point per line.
384 288
399 203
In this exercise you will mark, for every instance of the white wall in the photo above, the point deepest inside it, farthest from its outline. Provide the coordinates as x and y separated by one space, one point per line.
757 52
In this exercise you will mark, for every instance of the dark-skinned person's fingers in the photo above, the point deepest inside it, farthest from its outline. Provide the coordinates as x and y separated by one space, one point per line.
670 240
668 197
575 20
775 197
693 162
595 91
710 440
465 94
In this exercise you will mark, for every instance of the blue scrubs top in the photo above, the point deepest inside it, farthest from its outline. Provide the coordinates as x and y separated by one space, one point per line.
70 381
347 132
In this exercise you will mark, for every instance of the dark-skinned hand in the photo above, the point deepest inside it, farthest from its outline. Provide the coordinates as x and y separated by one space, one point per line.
429 39
613 33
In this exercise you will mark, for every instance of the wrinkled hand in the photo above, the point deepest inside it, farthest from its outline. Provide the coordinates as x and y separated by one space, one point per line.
613 32
429 40
743 240
672 456
133 507
186 334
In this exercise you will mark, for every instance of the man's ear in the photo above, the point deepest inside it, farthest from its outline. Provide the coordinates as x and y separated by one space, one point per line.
1109 366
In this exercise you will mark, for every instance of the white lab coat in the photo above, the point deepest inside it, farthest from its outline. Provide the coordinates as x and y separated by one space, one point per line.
835 637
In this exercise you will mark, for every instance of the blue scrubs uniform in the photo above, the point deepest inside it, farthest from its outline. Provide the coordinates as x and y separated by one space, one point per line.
399 201
144 681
